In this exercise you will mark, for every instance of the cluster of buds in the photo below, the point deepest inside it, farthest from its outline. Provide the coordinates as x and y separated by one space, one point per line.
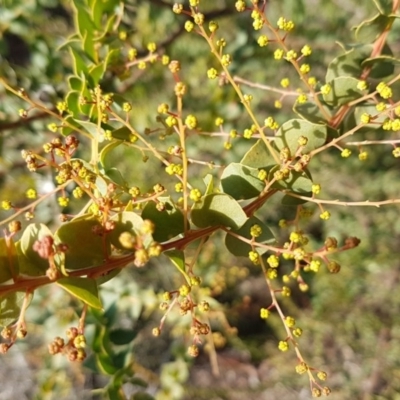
56 146
11 334
73 349
31 160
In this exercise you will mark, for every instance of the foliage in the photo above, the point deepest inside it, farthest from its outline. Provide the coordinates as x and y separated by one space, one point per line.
169 166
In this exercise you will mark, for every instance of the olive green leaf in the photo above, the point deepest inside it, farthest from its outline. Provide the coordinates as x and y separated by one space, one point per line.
290 132
218 209
241 181
86 248
168 223
84 289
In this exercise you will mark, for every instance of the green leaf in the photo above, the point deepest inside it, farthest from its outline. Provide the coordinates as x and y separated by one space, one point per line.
384 6
9 265
218 209
96 73
370 29
128 221
121 336
177 258
105 152
351 63
10 307
115 175
168 222
85 248
311 112
122 134
241 249
296 182
83 20
258 156
209 181
79 65
381 66
93 129
30 262
105 365
289 133
241 182
343 90
84 289
371 110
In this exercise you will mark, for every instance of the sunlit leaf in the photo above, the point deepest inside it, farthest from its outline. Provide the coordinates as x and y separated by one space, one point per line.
9 265
241 181
218 209
290 132
84 289
10 307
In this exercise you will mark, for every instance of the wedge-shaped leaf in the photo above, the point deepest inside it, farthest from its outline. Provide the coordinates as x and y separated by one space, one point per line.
168 223
128 221
30 262
84 289
296 182
218 209
10 307
86 248
258 156
9 265
343 90
370 29
290 132
241 182
310 112
79 64
241 249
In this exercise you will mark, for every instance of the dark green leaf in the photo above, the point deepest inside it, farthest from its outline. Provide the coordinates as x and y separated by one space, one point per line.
370 29
85 247
384 6
241 182
105 365
218 209
168 222
311 112
121 336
